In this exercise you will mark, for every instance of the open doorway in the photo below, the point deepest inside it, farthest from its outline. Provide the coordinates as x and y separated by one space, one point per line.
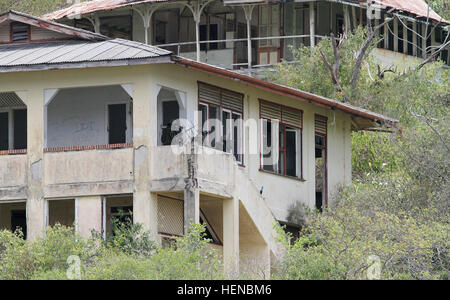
117 211
321 162
13 217
117 123
13 122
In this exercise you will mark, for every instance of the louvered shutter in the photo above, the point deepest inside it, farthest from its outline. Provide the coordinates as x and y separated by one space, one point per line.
270 111
291 116
233 101
320 124
209 93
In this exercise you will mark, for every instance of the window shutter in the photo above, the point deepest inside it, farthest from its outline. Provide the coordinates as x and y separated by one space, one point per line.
233 101
208 93
270 111
291 116
170 216
19 32
320 124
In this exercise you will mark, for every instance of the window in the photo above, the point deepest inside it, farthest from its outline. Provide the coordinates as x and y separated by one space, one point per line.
320 141
269 16
13 129
281 147
221 118
20 32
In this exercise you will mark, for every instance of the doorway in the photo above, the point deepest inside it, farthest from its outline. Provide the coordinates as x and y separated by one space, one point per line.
4 131
117 123
321 164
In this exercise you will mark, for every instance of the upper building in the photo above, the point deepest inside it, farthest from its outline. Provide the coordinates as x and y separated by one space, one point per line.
236 34
91 125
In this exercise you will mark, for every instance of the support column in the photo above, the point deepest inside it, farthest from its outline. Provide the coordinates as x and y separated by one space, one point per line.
424 40
89 215
145 204
146 12
191 207
35 127
231 236
312 24
347 19
395 24
405 37
95 20
248 11
197 9
414 35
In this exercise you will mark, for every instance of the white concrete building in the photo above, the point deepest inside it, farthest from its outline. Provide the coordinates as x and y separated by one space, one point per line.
88 127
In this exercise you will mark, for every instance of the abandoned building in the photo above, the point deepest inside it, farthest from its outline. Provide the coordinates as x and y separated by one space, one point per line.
88 128
238 34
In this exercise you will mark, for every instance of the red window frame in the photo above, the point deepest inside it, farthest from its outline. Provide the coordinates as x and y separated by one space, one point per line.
261 167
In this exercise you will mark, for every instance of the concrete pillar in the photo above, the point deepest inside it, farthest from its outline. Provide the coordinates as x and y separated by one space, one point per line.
89 214
414 40
35 127
231 236
405 37
191 207
145 204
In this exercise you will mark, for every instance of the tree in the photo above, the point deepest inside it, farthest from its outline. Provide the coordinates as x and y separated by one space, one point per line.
35 7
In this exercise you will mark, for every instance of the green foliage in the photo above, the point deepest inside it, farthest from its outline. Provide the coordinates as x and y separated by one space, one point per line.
35 7
191 258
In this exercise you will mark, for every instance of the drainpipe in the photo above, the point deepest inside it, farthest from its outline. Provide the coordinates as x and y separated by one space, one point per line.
248 10
197 10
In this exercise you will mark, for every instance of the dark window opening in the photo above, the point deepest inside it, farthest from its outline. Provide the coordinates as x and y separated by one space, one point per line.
400 37
20 32
117 123
122 218
20 129
444 56
19 221
212 35
61 212
410 39
171 113
320 170
390 38
4 131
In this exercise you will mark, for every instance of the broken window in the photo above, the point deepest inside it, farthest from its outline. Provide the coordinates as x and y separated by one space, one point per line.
281 139
221 118
210 234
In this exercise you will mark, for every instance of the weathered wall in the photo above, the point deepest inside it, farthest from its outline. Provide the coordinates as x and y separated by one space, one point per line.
13 177
78 117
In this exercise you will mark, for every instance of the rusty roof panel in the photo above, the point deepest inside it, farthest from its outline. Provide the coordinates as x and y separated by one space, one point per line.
416 7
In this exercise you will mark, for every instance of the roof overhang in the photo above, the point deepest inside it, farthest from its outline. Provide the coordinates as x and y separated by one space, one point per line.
361 119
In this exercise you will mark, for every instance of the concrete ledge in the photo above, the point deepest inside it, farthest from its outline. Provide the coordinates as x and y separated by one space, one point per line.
88 189
167 184
13 193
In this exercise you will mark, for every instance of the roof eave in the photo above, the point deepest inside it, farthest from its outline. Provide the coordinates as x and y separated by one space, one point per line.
376 119
88 64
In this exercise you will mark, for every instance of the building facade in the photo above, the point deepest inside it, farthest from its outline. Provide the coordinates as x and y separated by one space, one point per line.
91 126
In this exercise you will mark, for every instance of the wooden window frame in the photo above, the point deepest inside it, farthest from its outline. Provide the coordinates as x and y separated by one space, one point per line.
299 128
11 31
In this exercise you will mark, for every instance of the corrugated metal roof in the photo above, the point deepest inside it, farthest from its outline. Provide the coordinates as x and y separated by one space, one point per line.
416 7
50 54
10 100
